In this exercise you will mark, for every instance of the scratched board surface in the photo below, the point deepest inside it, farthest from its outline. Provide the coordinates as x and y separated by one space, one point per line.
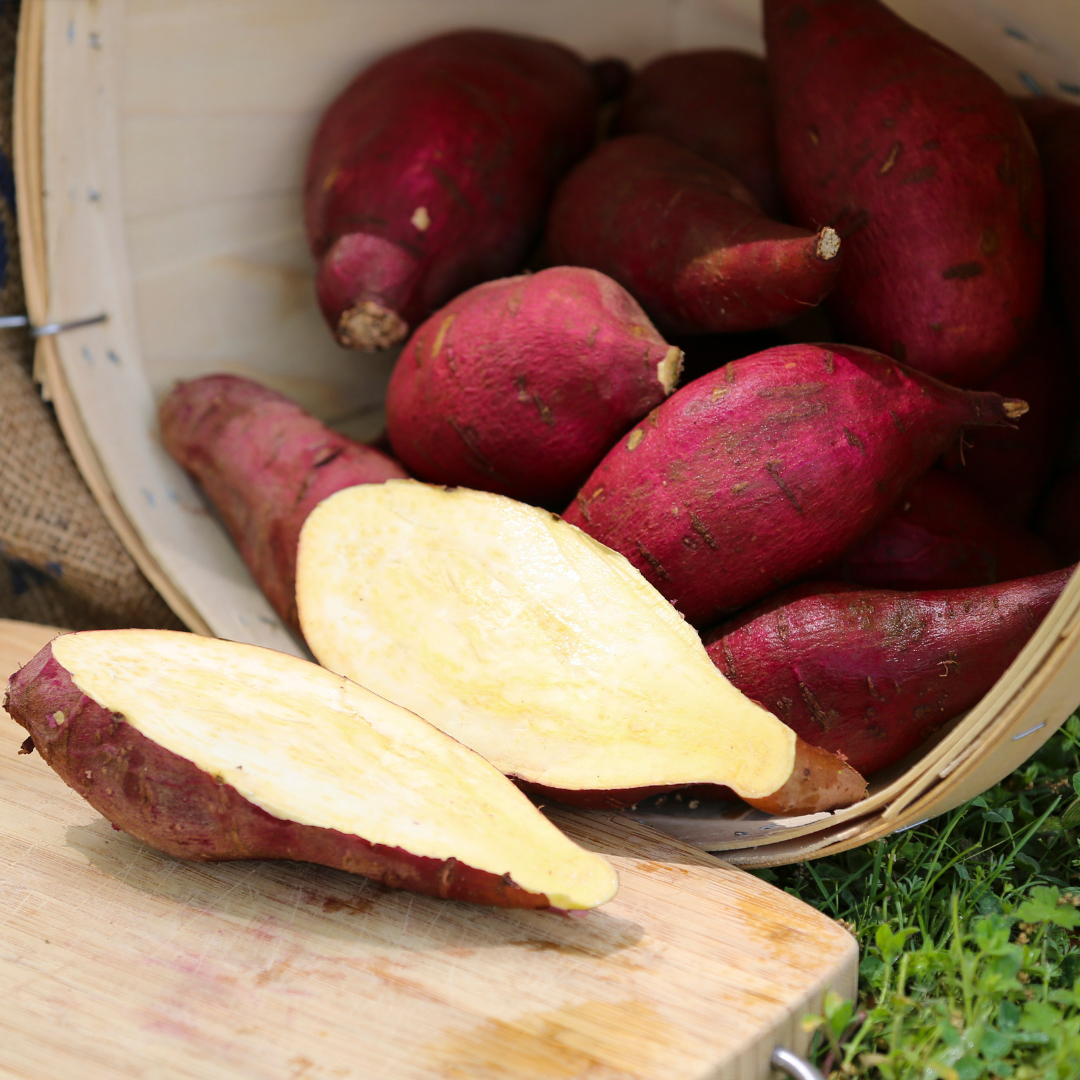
117 961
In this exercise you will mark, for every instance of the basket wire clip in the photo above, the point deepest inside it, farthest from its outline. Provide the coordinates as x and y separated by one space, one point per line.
794 1066
8 322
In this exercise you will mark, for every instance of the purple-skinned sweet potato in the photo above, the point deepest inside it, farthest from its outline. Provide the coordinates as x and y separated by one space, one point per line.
1055 125
210 750
716 103
265 464
769 468
873 674
942 534
521 385
1013 467
431 172
925 168
687 239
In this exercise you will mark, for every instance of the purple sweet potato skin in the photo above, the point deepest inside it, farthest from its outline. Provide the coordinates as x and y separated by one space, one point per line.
169 803
475 127
769 468
1012 467
1055 124
716 103
925 168
520 386
265 464
873 674
942 534
686 238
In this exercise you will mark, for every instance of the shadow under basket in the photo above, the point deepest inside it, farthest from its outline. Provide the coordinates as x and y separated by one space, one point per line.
159 154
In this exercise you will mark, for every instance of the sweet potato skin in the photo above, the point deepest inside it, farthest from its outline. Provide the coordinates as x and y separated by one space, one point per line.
431 172
169 803
716 103
873 674
520 386
819 781
943 534
1012 468
265 464
769 468
924 166
687 239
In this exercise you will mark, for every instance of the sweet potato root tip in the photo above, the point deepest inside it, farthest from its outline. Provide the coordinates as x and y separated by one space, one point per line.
820 781
1014 408
368 326
828 244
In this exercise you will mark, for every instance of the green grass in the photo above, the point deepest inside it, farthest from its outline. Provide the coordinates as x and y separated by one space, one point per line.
970 935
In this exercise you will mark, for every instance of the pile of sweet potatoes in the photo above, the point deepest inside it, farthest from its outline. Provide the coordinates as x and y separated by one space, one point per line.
888 473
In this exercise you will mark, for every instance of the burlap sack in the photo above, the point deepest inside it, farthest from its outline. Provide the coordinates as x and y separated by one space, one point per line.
60 562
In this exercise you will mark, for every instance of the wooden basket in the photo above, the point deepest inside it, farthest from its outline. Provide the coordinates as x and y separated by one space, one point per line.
159 149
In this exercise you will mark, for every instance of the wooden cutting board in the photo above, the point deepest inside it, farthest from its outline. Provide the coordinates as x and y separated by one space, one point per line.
117 961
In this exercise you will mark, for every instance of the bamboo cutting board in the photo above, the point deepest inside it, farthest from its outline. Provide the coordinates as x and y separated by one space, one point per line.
117 961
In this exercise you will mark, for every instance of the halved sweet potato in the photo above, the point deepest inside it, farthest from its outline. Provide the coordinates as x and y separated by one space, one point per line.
525 639
212 750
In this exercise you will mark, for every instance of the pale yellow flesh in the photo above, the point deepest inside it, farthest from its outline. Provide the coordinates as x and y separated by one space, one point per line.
309 746
527 640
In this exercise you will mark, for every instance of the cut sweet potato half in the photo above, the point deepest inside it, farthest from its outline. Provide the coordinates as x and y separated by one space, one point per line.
212 750
522 637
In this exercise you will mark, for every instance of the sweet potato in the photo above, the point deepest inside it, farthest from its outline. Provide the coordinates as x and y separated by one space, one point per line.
264 463
1012 467
687 239
704 353
716 103
872 674
942 534
611 76
1055 125
769 468
213 750
431 172
539 648
521 385
925 168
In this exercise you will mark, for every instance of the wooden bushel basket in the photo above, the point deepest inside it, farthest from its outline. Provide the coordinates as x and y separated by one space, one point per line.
159 152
